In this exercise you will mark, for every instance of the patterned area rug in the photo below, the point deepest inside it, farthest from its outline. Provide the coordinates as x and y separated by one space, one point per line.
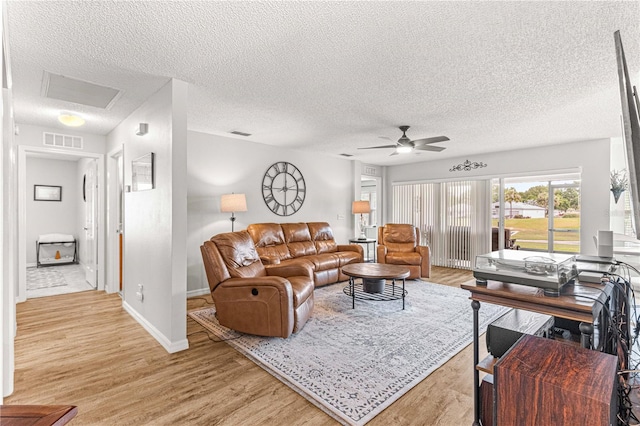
354 363
44 278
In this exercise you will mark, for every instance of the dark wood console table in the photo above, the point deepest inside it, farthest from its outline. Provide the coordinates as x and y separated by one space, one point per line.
41 415
580 302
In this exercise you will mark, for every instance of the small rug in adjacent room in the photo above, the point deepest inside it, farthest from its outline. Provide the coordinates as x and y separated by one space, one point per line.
44 278
354 363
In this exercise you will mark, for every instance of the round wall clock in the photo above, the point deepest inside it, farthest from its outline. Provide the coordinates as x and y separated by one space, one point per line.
283 188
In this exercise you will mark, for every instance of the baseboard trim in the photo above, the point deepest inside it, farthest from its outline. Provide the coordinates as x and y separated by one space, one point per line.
198 292
168 345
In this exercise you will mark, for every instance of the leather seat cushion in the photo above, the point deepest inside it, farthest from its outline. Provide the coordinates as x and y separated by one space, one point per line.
347 257
322 262
404 258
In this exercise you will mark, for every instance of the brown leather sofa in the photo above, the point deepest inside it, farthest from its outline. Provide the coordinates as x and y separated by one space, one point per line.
399 244
309 243
250 298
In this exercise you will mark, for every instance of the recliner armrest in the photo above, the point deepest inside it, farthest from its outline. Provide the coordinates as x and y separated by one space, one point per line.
425 266
298 269
269 260
257 305
381 253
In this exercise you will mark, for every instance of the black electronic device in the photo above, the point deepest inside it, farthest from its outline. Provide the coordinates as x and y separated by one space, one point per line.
506 330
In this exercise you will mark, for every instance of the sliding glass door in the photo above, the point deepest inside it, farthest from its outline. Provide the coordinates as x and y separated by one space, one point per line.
538 213
453 218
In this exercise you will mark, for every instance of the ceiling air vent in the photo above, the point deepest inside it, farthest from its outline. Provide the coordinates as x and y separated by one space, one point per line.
62 141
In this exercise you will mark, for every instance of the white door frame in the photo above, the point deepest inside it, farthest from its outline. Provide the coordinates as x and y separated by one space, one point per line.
112 240
23 150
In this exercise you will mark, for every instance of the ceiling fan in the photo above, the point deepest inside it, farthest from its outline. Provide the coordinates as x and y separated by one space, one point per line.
405 145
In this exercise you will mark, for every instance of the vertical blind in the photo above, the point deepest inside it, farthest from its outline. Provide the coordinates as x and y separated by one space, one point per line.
454 218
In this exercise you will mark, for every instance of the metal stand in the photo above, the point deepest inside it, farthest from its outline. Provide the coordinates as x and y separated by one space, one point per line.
475 305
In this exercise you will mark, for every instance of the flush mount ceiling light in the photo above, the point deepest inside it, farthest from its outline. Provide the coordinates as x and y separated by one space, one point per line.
71 120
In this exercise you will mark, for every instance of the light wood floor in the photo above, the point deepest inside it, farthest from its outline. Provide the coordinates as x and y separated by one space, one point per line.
84 349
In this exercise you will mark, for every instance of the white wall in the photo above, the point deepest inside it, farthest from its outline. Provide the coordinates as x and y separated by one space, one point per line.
591 157
51 217
155 221
221 165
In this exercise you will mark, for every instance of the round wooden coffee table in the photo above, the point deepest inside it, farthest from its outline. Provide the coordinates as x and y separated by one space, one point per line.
373 284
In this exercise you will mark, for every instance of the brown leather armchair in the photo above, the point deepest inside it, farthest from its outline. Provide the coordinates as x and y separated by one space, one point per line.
399 244
251 299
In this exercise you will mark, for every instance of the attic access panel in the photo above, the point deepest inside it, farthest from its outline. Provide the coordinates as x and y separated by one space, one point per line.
77 91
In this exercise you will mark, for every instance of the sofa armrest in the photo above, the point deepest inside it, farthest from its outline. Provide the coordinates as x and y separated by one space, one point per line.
351 247
257 305
270 260
425 265
298 269
381 254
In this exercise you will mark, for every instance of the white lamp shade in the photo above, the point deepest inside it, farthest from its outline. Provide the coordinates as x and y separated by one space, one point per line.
360 207
233 203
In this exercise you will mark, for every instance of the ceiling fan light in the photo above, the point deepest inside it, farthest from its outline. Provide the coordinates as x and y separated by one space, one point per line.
404 149
71 120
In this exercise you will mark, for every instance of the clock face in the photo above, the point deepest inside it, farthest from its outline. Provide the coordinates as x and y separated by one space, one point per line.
283 188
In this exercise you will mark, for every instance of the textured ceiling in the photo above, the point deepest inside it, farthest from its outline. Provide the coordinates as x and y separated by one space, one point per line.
335 76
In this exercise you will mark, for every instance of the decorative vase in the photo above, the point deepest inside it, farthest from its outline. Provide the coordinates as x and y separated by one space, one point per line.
617 192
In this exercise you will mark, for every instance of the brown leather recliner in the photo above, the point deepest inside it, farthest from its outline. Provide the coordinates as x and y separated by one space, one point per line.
250 298
399 244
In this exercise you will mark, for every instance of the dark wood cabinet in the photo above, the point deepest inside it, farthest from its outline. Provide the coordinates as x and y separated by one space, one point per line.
544 382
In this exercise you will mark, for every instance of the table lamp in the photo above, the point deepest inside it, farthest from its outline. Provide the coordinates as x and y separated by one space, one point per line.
231 203
361 207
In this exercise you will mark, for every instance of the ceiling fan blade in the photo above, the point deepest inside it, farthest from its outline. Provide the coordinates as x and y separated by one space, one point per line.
430 148
434 139
382 146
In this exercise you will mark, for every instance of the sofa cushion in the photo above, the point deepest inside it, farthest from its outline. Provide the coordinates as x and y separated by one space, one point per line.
346 257
324 261
413 258
298 239
239 254
322 236
269 240
399 238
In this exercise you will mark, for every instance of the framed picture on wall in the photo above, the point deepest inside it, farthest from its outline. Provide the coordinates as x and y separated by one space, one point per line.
47 193
143 173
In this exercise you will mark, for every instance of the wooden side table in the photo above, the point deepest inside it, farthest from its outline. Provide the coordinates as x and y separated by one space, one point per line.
41 415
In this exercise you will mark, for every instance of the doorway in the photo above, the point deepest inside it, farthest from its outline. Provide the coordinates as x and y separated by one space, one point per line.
26 243
115 221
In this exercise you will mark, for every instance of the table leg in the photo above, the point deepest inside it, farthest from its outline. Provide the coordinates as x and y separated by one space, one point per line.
586 332
403 294
352 284
393 287
476 359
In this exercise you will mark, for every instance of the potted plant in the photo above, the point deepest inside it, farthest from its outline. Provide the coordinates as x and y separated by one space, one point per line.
619 183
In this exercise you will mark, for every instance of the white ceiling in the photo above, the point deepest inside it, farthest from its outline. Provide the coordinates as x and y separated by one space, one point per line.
334 76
